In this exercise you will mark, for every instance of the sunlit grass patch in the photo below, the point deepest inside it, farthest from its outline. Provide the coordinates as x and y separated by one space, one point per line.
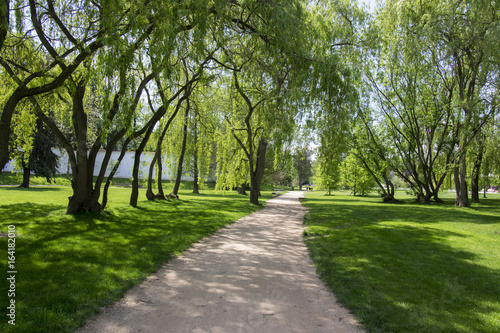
409 267
71 266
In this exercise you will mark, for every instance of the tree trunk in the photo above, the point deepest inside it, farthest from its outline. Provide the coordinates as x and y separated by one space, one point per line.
81 200
257 175
26 177
183 151
4 19
436 197
456 181
149 193
426 198
4 121
196 189
475 175
389 193
241 189
160 194
113 172
134 196
254 192
474 185
5 131
464 194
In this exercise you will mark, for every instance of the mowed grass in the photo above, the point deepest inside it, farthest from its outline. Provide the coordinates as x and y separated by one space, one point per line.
409 267
68 267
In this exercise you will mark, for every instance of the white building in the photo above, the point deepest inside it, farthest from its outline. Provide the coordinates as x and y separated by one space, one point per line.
124 170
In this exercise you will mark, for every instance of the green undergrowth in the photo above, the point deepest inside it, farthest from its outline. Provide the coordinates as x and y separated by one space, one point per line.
409 267
69 267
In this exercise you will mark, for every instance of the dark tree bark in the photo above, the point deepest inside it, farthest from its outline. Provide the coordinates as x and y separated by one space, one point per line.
134 196
81 200
183 151
4 19
26 177
475 175
241 189
149 193
456 180
196 189
160 194
462 199
258 174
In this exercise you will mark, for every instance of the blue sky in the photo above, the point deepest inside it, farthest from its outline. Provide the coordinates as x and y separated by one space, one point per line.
369 3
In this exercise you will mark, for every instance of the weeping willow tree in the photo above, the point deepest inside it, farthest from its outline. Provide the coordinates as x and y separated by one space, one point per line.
342 33
265 67
458 42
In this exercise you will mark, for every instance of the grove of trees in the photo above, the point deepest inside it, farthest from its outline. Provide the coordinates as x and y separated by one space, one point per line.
427 104
411 90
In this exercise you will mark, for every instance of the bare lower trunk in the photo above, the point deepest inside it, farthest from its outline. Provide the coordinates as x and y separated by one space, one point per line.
5 122
475 176
134 196
196 189
82 199
456 181
241 189
436 197
149 193
474 186
254 192
183 151
464 194
426 198
26 178
257 175
160 194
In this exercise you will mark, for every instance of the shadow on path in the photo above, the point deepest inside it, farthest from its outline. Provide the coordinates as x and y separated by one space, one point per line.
252 276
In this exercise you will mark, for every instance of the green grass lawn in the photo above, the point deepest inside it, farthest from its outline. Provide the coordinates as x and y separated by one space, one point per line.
409 267
68 267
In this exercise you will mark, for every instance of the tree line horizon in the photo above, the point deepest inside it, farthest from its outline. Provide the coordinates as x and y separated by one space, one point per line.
411 89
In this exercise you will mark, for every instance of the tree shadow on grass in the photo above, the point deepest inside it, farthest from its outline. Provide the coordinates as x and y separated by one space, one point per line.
71 265
402 278
417 213
36 188
397 277
25 212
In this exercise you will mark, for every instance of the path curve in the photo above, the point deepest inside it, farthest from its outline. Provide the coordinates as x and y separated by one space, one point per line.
254 275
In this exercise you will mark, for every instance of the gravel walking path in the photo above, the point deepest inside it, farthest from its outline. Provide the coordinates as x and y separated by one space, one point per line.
254 275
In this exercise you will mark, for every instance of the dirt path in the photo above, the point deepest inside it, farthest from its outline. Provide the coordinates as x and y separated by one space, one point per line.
252 276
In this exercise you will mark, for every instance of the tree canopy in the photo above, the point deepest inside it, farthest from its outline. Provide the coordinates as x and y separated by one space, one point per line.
208 85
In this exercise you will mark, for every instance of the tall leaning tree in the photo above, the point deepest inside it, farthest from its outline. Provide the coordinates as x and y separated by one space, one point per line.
264 62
